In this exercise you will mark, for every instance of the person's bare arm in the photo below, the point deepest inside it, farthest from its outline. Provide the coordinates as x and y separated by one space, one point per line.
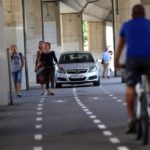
119 49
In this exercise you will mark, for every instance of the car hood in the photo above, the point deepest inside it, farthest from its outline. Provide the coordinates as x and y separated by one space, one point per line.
77 65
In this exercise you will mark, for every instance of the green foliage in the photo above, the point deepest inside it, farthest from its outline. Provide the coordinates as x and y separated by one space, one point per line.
85 33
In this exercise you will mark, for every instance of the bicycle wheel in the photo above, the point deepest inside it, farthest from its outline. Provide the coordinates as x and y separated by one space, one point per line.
144 120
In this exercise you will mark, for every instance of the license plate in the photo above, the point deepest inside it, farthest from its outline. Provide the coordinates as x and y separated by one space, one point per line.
76 76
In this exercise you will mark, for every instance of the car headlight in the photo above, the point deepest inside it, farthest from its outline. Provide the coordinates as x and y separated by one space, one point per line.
61 70
92 68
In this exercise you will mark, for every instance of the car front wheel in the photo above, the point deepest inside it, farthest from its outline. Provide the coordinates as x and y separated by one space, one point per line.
58 85
96 83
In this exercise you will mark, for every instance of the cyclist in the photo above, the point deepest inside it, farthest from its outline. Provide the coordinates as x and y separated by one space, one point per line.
135 34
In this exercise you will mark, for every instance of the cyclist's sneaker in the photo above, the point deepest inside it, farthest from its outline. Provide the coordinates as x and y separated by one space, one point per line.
131 128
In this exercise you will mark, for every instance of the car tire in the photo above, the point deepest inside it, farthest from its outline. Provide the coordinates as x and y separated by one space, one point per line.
58 85
96 83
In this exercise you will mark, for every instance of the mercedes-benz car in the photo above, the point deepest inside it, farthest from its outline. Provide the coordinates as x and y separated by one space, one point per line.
77 67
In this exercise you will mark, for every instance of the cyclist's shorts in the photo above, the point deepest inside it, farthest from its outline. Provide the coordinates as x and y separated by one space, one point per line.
134 68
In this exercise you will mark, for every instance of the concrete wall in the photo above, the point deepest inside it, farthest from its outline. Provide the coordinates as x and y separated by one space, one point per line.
33 25
96 36
51 25
71 32
4 97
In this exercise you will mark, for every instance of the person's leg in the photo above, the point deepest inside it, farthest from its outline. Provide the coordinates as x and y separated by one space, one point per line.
42 88
46 78
14 75
104 69
52 78
19 80
130 96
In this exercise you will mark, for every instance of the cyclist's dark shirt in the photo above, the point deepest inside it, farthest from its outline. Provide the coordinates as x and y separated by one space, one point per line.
137 37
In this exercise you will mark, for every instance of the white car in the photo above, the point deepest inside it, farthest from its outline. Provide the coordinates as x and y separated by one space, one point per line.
77 67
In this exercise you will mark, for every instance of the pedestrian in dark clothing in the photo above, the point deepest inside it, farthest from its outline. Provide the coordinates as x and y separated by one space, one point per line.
48 58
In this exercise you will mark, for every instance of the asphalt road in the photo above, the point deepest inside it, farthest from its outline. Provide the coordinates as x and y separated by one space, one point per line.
75 118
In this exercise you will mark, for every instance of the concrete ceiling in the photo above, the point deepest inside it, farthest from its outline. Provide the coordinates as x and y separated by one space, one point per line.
93 10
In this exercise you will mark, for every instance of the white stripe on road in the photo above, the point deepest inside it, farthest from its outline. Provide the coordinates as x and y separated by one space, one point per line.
107 133
38 136
38 148
114 140
38 126
122 148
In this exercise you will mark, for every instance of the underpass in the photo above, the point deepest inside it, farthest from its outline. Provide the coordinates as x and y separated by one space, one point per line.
75 118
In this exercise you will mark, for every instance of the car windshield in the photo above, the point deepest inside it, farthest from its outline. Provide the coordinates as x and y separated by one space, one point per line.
76 58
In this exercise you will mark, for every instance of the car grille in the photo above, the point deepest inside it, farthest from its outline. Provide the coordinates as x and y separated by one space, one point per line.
77 79
76 71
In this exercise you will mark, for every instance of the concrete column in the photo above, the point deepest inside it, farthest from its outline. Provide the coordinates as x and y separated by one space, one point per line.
96 37
71 31
33 31
11 29
51 25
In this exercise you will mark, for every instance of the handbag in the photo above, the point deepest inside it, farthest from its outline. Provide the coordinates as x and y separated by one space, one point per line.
40 70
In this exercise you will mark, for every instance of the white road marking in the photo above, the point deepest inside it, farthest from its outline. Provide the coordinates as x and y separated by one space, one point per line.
92 116
96 121
39 108
42 99
59 101
39 119
86 110
119 101
38 126
114 140
38 148
38 136
122 148
114 97
95 98
89 113
40 105
101 126
39 113
107 133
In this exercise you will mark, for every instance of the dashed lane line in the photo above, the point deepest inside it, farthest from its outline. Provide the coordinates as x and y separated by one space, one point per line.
100 125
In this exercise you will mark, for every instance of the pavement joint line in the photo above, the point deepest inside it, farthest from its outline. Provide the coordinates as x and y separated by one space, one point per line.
107 133
114 140
122 148
38 137
38 148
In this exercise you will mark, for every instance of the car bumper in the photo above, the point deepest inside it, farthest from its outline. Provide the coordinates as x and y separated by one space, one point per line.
77 78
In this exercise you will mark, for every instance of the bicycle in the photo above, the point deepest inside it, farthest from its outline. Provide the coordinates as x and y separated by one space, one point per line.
141 111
